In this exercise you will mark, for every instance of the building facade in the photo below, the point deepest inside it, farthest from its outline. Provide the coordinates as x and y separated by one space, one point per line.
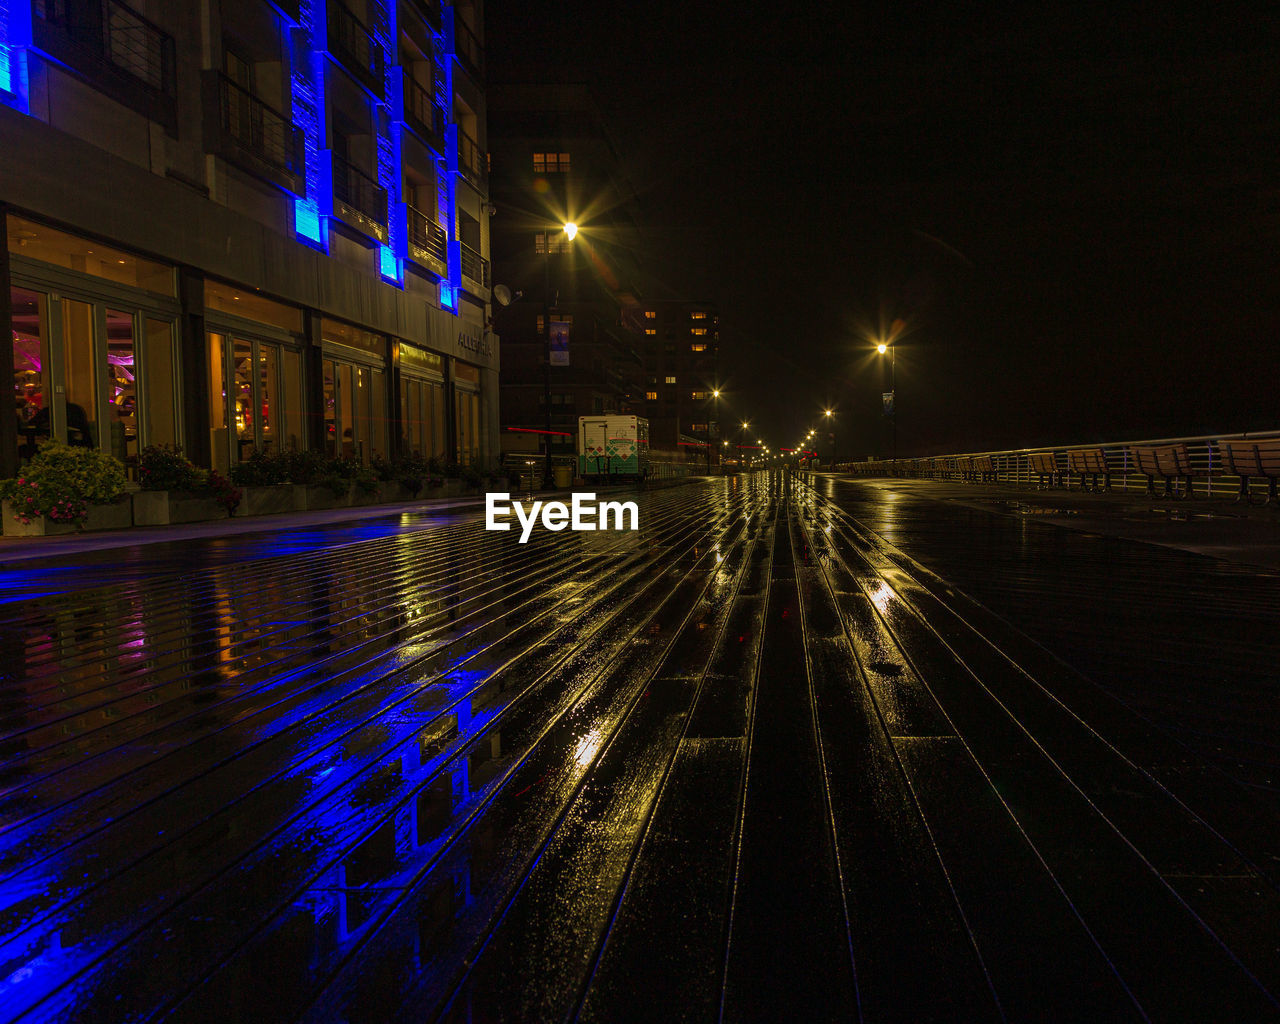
239 225
682 374
553 162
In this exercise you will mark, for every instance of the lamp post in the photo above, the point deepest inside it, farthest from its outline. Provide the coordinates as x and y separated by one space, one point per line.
570 229
715 404
832 427
741 435
893 396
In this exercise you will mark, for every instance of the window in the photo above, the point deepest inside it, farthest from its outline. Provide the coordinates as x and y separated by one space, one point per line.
671 380
650 314
651 330
699 346
559 243
698 428
652 396
564 318
550 163
698 396
697 316
699 331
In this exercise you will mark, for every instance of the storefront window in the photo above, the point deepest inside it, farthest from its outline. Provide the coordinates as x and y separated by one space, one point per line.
78 373
268 383
32 375
35 241
291 399
159 385
218 442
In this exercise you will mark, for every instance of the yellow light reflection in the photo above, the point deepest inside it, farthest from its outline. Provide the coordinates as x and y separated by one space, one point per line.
881 598
587 747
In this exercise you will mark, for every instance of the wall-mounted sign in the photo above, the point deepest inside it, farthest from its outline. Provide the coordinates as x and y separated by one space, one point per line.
472 340
559 343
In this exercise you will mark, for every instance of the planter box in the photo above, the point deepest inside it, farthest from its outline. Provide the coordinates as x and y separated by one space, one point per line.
39 527
101 517
265 501
161 508
357 496
392 491
307 497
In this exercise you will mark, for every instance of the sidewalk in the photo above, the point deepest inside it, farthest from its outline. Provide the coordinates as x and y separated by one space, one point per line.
1217 527
21 549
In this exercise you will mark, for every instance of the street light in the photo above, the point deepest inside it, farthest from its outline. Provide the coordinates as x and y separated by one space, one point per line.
571 230
715 407
882 348
832 427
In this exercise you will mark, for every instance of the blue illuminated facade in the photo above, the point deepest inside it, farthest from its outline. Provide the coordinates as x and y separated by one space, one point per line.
306 149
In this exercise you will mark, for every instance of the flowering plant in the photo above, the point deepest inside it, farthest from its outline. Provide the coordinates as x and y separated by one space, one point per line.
61 482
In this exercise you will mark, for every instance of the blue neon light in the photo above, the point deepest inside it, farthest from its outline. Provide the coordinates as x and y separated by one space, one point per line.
15 39
383 30
306 81
389 264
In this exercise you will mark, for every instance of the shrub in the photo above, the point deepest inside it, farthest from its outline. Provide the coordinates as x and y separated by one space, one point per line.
471 476
261 469
304 467
385 469
163 467
61 482
366 480
222 490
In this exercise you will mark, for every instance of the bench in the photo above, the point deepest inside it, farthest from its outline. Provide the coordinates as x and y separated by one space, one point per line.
1168 461
1089 462
983 468
1260 458
1044 464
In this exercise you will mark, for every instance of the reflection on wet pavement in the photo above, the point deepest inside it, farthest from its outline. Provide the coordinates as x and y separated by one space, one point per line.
765 759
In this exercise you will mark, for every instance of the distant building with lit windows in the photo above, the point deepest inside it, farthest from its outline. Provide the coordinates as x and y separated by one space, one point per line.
553 161
245 225
682 372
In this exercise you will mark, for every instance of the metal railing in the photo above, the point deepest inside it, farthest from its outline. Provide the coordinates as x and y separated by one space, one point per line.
1207 466
430 11
115 35
360 192
421 109
352 42
474 266
258 128
467 46
470 159
427 235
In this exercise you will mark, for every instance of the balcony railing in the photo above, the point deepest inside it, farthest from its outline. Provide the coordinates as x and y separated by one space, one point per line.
114 48
356 190
354 45
421 110
428 242
467 46
430 11
252 134
474 266
471 160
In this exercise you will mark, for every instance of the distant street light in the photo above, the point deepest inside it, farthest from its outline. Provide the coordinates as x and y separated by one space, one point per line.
571 230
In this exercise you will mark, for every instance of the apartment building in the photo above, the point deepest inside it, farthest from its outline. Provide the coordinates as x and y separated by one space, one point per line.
554 163
682 373
242 225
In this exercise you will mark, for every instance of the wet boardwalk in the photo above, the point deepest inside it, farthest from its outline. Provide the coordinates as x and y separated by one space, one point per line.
790 752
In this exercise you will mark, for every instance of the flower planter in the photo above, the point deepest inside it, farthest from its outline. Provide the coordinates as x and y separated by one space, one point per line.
392 491
307 497
118 516
265 501
38 527
161 508
359 496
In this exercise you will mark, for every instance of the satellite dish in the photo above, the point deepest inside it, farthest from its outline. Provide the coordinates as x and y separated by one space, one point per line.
502 295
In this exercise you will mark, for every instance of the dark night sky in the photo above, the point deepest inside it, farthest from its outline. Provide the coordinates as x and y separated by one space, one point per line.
1076 213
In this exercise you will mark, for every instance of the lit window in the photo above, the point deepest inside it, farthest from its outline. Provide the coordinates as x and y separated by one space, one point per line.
650 314
651 395
564 318
550 163
559 243
650 330
698 396
697 316
698 347
698 428
697 330
671 380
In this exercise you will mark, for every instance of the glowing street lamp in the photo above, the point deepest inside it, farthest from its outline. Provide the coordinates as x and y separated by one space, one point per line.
571 230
